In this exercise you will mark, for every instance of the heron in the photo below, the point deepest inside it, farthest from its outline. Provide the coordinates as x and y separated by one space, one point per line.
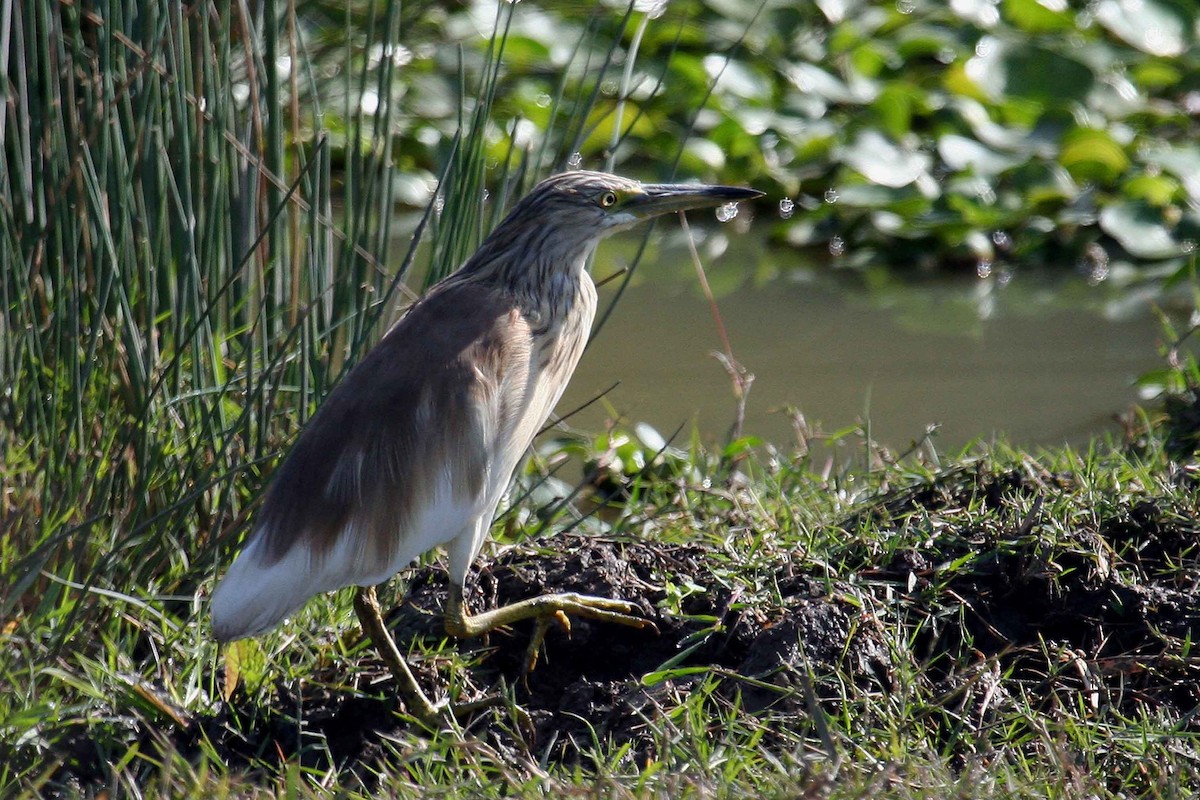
416 446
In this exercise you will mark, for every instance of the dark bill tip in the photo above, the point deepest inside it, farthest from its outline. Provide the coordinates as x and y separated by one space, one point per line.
661 198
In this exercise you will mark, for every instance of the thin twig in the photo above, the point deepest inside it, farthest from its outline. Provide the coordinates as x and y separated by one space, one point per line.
738 375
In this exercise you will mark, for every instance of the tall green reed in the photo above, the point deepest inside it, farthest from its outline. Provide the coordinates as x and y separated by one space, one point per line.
177 289
192 256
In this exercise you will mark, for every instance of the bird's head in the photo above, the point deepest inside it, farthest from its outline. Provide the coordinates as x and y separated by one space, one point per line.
592 205
554 228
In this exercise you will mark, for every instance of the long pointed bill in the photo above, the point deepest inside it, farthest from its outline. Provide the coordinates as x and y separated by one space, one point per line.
662 198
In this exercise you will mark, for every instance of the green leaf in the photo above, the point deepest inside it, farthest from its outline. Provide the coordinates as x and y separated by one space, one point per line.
1092 155
1005 70
1182 161
1036 16
657 677
961 153
1140 229
1152 26
741 446
894 107
884 162
1157 190
1156 74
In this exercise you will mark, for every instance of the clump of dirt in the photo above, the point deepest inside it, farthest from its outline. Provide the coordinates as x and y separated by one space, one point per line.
1103 611
590 681
587 683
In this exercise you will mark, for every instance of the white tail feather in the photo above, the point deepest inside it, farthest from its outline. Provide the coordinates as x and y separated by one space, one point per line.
252 598
255 596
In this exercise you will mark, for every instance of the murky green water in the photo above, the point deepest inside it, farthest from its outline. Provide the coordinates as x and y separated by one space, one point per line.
1041 360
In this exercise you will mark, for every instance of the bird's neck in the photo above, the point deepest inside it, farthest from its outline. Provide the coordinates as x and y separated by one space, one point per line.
547 287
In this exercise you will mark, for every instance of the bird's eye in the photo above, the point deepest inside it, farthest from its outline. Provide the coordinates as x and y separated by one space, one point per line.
608 200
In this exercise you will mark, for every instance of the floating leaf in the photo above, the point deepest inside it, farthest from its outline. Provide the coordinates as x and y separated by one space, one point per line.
1140 230
961 153
883 162
1092 155
1154 27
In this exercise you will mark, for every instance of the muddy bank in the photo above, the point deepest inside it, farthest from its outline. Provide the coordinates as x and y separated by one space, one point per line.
981 610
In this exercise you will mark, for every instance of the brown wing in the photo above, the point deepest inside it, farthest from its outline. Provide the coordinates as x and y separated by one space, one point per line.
394 462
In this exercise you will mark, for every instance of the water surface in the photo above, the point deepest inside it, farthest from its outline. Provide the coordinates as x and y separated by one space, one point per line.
1037 359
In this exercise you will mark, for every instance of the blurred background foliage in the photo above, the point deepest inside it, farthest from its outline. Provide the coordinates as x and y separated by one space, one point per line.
923 133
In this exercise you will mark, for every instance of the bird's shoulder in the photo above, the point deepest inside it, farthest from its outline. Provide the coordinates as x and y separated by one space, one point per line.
453 326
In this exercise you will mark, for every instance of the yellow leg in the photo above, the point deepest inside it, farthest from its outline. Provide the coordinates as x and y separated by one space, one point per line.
366 605
432 715
547 609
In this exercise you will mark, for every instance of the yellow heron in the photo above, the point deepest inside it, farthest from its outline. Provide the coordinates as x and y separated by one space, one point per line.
416 446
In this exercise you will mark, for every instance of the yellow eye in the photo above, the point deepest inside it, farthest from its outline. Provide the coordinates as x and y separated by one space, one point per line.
608 200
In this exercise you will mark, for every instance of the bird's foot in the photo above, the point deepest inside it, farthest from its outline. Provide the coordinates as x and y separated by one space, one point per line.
558 608
545 610
442 715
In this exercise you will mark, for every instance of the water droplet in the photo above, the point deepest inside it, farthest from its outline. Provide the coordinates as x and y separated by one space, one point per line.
486 195
831 195
439 203
651 8
906 6
837 246
983 267
1004 277
983 47
1001 239
947 55
786 208
1187 246
727 212
1094 264
575 161
544 100
609 88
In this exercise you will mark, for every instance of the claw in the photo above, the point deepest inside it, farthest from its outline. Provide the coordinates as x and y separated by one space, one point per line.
535 642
